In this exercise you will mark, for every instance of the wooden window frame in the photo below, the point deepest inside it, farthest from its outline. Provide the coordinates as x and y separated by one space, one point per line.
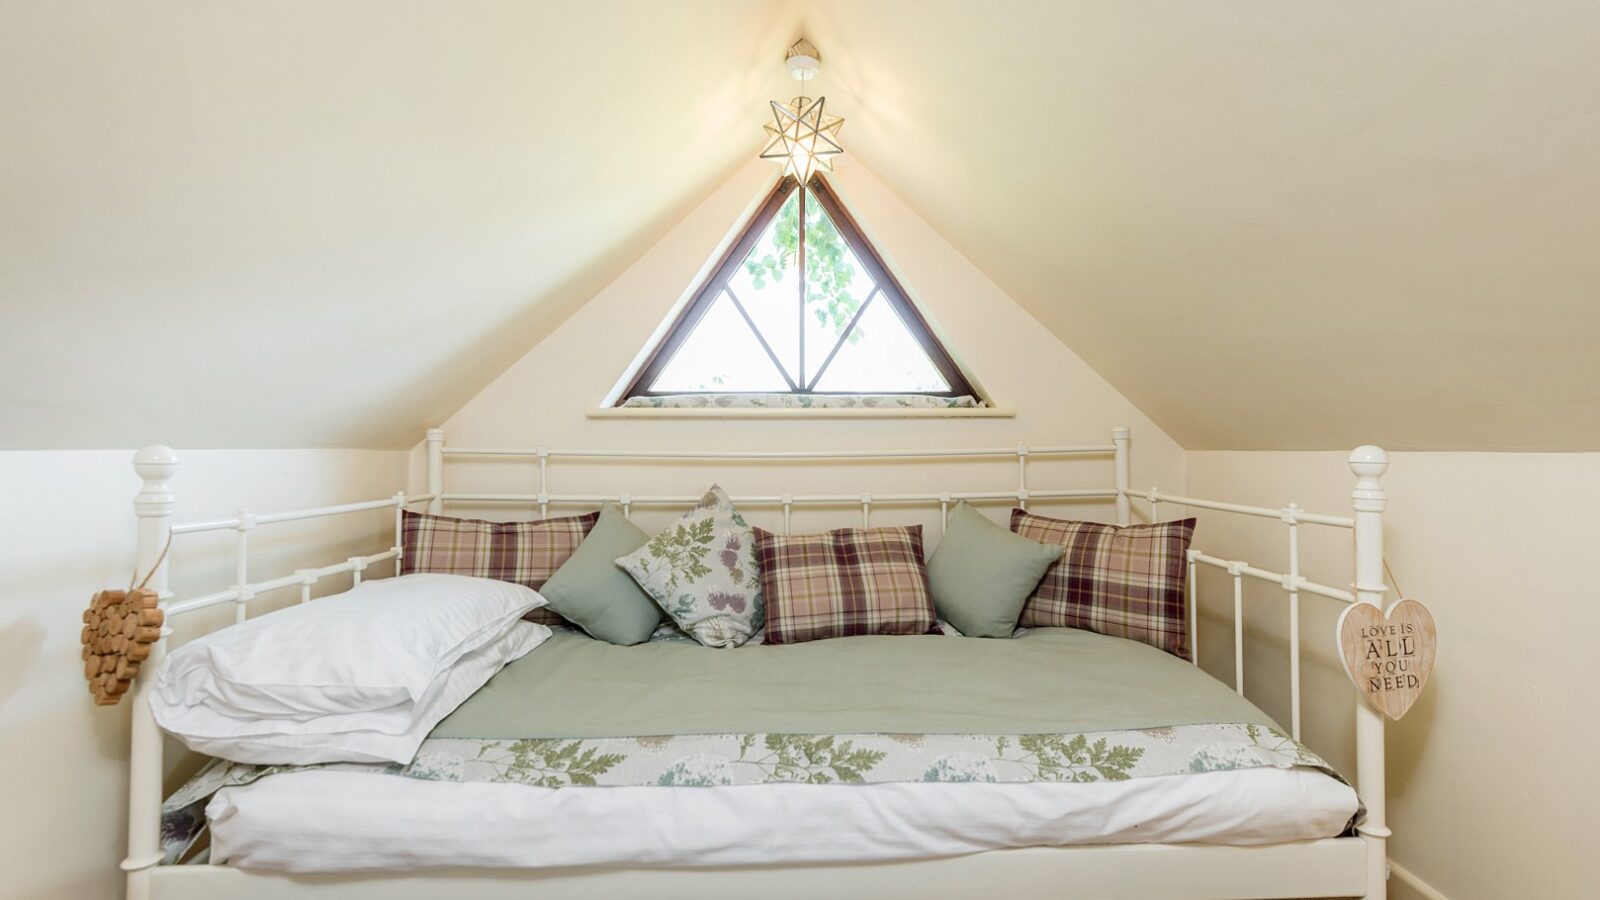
888 287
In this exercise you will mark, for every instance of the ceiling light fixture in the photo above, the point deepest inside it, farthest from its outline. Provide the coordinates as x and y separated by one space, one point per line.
803 138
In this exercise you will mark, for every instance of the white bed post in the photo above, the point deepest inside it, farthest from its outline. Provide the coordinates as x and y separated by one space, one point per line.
1369 463
436 470
156 466
1119 438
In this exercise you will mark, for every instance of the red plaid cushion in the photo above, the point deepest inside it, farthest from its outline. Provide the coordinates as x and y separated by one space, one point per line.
1125 582
524 552
844 582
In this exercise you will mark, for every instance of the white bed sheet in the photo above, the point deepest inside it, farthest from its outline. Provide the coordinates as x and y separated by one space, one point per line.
320 821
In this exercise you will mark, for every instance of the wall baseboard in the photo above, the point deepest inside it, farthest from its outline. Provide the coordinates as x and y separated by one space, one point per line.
1411 880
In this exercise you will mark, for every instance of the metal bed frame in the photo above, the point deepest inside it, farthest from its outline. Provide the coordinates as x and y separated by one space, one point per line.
1335 867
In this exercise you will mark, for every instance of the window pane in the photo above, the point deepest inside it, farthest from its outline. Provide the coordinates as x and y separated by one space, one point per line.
721 354
836 286
886 358
765 282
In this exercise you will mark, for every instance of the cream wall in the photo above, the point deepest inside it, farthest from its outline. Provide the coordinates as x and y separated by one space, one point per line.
266 191
1491 779
542 399
69 531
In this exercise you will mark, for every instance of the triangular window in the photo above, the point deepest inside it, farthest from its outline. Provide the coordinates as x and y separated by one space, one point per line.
802 306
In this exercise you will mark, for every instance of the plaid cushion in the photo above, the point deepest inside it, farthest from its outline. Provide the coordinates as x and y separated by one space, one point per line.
1126 582
527 553
844 582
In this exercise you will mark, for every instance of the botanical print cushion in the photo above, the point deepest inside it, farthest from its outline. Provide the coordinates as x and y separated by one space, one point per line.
1126 582
701 569
526 553
844 582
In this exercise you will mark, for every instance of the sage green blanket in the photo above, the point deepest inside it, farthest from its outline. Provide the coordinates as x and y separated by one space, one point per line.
1052 680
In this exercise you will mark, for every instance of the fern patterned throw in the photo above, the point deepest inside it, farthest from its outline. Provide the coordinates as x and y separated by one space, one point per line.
702 570
713 760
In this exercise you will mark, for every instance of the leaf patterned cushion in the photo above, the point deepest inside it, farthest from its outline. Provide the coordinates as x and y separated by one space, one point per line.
702 571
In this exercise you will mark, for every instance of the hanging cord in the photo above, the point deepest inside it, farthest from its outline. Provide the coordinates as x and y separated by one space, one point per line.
1399 594
150 574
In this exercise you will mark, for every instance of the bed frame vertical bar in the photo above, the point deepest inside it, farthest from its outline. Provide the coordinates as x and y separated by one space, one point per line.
241 563
1236 569
1369 463
399 531
1022 477
1119 438
544 482
436 470
1194 607
156 466
1292 519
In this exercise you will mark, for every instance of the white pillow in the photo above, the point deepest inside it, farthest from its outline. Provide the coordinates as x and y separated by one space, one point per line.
381 736
377 646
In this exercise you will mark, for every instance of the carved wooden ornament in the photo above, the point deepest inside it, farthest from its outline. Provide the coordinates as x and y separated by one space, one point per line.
119 628
1389 657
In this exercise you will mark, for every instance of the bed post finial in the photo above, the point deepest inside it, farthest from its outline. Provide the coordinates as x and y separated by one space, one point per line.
436 470
1369 463
156 466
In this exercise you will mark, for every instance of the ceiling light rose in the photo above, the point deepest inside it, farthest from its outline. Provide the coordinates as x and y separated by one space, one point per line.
802 137
803 60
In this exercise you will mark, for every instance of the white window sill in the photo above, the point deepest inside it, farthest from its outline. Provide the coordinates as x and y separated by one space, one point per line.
848 412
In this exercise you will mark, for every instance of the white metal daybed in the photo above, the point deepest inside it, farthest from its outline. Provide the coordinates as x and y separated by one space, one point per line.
1330 867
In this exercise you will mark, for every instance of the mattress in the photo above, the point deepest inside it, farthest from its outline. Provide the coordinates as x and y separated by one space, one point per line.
669 754
317 821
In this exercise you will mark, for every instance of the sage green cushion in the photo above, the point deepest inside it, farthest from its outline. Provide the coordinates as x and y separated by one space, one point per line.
592 592
981 574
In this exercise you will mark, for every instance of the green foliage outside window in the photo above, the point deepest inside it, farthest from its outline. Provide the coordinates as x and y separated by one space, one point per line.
830 267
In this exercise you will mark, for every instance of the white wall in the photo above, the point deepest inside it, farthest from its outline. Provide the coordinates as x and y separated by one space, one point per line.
1491 775
69 531
1058 399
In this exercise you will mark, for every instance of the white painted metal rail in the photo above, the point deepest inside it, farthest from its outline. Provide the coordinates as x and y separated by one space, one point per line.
1368 463
544 499
243 590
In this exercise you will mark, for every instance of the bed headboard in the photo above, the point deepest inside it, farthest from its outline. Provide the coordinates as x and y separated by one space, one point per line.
546 458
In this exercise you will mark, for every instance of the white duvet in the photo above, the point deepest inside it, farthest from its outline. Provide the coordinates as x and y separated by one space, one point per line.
321 821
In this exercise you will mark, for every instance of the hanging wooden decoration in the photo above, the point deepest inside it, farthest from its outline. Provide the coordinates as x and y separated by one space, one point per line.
119 629
1389 657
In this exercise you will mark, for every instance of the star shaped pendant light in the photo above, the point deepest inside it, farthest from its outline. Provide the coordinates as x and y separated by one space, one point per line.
802 137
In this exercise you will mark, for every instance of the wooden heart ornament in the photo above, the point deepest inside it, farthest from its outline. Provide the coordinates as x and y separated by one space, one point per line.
1389 657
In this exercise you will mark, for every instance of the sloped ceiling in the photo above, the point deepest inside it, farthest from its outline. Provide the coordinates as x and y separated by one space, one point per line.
268 224
1271 225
